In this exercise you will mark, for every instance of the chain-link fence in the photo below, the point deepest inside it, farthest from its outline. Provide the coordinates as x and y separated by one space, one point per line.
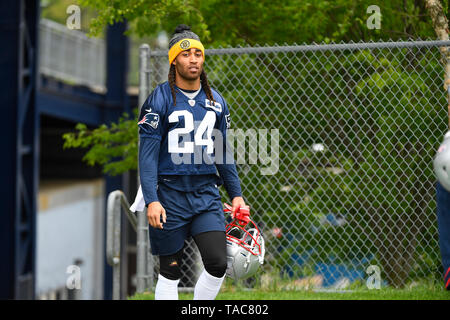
358 127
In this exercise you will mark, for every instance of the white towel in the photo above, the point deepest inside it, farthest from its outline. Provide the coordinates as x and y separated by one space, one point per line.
139 202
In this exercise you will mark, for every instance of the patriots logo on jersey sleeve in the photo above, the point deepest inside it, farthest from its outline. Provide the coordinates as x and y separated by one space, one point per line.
150 118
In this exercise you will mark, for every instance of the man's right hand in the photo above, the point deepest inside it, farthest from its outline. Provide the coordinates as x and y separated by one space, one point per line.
154 213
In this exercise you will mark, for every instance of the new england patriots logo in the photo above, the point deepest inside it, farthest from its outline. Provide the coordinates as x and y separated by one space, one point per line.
150 118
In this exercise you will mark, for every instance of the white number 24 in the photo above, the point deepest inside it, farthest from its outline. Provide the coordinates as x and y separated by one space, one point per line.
206 125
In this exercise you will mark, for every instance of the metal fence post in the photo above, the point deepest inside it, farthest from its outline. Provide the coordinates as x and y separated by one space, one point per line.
116 200
113 240
143 277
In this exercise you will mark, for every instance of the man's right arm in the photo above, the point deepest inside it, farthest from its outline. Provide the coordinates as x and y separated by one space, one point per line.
151 130
148 171
148 168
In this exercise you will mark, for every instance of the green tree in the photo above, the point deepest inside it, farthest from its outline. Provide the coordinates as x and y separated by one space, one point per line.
233 22
144 16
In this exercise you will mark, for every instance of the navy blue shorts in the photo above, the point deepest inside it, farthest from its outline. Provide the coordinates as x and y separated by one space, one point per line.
187 214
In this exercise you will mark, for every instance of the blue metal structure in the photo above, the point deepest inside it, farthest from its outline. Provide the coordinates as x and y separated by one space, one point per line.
73 103
24 98
116 102
19 141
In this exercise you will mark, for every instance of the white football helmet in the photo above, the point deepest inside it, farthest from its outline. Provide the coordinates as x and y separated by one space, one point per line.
245 249
441 163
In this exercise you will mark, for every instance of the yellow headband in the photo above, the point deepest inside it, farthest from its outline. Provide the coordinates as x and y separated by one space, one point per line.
184 44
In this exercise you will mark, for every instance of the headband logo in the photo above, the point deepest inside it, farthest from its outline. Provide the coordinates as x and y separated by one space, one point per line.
185 44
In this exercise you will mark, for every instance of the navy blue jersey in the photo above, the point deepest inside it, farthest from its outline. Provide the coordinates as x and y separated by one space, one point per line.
184 141
187 131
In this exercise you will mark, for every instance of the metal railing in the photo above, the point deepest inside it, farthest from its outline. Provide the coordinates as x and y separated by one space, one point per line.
144 270
71 56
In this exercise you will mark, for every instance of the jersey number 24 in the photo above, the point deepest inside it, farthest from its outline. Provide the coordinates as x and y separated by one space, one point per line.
206 125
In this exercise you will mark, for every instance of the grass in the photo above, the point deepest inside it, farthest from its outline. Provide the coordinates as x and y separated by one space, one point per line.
273 287
416 293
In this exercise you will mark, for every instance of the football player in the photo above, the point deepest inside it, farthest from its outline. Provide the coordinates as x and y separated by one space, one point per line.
182 161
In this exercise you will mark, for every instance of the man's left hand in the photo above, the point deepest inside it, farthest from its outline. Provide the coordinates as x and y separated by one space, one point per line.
236 203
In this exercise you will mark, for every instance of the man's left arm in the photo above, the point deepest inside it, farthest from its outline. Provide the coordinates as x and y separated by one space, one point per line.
226 165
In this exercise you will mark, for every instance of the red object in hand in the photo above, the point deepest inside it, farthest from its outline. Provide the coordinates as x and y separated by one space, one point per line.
242 214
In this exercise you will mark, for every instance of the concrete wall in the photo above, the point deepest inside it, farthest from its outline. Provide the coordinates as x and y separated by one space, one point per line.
70 227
